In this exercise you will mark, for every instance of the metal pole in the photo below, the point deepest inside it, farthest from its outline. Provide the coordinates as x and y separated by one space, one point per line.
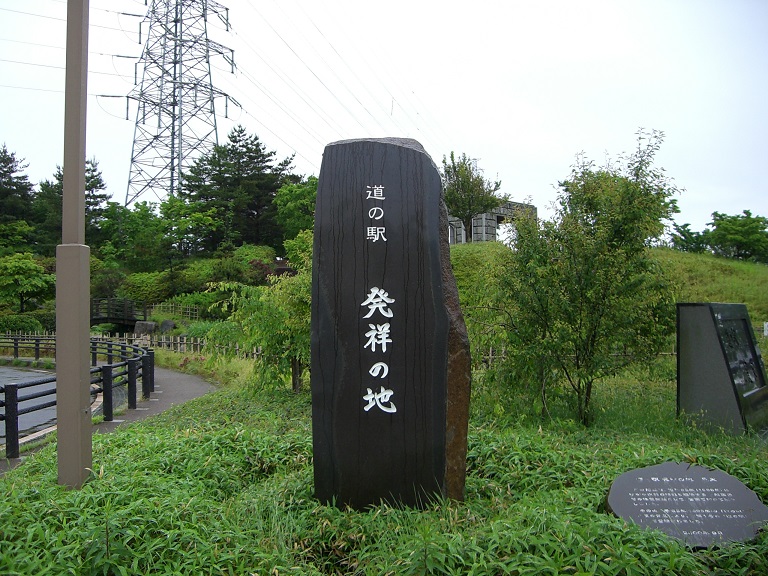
133 369
146 376
11 421
151 354
107 383
72 268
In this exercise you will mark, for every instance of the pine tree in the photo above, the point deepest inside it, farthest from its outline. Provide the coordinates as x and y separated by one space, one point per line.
238 181
15 203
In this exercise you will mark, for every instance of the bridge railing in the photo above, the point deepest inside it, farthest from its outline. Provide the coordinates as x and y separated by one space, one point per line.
122 364
120 310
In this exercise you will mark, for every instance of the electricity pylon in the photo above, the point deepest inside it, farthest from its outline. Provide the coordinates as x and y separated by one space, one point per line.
176 116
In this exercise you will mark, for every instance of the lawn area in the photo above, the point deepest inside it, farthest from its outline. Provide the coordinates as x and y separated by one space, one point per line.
223 485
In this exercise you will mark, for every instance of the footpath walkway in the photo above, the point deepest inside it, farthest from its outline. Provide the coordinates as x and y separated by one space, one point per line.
171 388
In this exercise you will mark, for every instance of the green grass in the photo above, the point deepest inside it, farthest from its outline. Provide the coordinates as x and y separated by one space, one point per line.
223 485
707 278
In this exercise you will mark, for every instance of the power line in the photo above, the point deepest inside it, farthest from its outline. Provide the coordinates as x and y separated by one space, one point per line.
56 67
58 19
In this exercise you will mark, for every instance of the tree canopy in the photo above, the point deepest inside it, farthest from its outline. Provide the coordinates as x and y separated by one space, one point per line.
740 236
21 278
582 294
467 192
295 203
15 203
236 184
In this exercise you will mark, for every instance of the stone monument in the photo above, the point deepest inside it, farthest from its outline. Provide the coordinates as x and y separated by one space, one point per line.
720 374
699 506
390 366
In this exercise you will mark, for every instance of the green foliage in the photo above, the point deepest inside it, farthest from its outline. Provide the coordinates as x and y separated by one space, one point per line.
135 236
14 236
205 302
234 186
224 335
22 278
585 296
478 267
296 206
20 323
247 253
186 224
299 250
223 485
15 203
467 192
200 329
47 206
743 236
45 316
687 240
707 278
276 317
148 287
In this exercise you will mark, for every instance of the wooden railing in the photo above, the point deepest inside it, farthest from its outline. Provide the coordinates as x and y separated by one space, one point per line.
117 311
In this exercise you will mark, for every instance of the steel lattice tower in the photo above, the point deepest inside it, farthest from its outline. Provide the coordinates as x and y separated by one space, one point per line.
176 117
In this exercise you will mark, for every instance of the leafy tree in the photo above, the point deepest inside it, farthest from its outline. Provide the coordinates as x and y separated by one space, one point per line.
276 317
15 202
186 225
96 200
134 236
741 236
237 182
21 278
46 216
47 206
687 240
14 236
587 297
296 206
467 192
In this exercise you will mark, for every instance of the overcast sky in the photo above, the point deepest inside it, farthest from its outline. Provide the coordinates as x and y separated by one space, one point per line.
522 86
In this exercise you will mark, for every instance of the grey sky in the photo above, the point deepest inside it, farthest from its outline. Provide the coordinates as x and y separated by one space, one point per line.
521 86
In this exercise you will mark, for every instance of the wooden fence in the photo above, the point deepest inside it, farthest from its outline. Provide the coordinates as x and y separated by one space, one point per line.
185 345
178 310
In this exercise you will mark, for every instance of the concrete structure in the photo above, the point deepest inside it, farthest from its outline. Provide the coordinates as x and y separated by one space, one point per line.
487 227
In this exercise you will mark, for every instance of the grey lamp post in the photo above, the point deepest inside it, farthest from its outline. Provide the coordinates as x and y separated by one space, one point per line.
72 268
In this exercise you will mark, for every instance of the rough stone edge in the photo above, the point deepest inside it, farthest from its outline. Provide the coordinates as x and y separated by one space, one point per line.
459 376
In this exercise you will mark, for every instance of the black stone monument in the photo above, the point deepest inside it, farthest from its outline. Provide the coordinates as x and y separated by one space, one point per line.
720 374
390 355
699 506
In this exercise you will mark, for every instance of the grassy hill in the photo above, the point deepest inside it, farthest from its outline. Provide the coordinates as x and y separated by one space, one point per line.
707 278
697 277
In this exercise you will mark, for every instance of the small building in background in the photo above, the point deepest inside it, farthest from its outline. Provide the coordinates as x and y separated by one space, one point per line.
498 224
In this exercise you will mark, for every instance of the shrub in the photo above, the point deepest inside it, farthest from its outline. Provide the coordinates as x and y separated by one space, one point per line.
106 282
46 317
200 329
225 334
148 287
247 253
195 276
204 302
20 323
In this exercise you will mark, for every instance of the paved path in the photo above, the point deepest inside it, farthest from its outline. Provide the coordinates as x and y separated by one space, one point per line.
171 388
